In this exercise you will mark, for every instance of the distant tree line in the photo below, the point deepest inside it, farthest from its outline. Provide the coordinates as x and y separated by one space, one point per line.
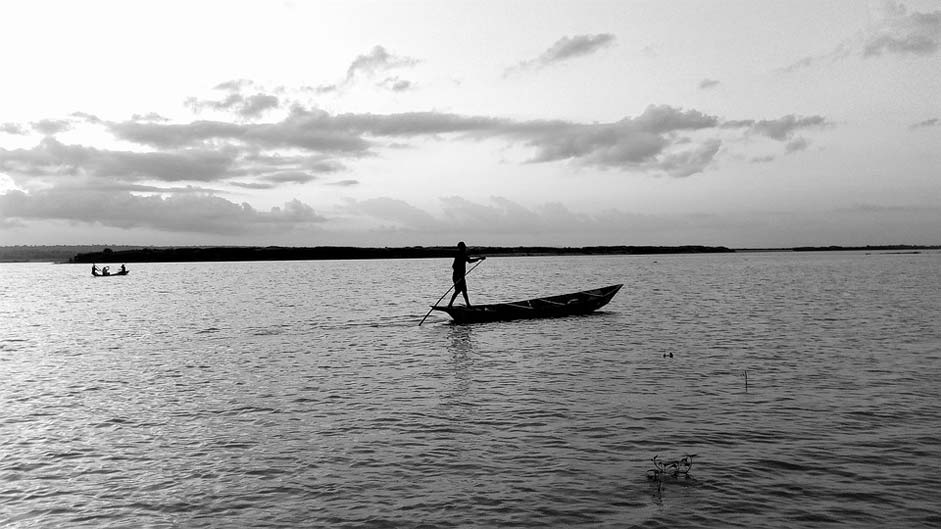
55 253
282 253
141 254
889 247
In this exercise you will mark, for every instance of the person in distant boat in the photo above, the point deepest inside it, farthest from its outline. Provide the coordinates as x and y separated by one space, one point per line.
94 270
105 272
123 269
460 270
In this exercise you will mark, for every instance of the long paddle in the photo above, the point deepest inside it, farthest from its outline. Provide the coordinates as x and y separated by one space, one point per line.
448 292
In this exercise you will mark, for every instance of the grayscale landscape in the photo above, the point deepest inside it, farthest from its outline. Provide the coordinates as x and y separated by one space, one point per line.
470 264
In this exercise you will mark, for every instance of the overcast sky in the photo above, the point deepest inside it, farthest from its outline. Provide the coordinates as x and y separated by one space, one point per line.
393 123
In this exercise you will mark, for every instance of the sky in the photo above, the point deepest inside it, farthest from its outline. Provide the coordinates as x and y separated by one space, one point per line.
513 123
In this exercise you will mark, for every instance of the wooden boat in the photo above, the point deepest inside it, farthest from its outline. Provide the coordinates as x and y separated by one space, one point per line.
118 273
548 307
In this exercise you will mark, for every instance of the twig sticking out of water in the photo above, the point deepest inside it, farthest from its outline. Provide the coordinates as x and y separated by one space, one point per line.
673 469
745 374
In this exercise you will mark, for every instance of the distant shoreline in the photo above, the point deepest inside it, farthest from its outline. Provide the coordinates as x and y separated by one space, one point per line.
141 254
319 253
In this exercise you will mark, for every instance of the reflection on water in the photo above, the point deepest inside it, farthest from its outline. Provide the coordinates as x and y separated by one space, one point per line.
461 339
305 394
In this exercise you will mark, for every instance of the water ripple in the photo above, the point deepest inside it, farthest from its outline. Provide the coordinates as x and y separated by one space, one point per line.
226 400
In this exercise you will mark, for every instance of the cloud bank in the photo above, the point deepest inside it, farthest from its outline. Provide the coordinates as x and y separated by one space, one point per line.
182 212
155 168
308 142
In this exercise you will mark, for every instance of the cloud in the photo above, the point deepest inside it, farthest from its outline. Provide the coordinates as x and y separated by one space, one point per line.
254 185
344 183
692 161
461 216
398 212
933 122
13 128
51 127
326 89
91 118
141 188
644 143
259 163
256 105
235 85
795 145
310 142
839 53
897 33
308 130
52 158
762 159
664 118
565 49
235 101
781 129
501 215
290 177
252 106
706 84
193 213
52 162
376 61
805 62
198 105
396 85
569 47
504 221
905 33
631 139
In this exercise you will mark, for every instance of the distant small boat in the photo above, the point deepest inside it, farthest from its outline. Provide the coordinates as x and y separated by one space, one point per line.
119 273
548 307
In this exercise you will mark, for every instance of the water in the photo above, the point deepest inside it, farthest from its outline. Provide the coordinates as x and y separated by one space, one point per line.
303 394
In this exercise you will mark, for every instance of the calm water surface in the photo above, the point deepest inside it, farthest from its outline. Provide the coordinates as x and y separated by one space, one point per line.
303 394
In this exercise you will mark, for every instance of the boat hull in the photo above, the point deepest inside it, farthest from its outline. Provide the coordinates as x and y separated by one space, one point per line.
124 273
549 307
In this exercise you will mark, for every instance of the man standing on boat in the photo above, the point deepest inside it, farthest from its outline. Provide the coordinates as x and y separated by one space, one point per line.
460 270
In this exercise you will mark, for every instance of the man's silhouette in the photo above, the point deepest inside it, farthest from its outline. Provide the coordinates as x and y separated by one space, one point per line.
460 270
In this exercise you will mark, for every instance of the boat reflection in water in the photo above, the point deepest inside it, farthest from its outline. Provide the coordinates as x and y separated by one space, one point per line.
548 307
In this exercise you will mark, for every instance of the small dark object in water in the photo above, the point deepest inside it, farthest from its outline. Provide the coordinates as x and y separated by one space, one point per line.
672 469
676 468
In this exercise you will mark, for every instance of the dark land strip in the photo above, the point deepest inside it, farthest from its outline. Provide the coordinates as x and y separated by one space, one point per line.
141 254
282 253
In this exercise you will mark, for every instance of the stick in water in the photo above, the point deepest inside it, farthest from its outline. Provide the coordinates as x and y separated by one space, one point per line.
448 292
